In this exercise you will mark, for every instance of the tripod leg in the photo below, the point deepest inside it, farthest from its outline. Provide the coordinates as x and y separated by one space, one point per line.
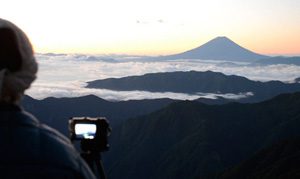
100 169
89 160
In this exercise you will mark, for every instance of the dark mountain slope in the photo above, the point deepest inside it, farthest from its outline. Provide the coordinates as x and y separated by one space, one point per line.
193 140
281 160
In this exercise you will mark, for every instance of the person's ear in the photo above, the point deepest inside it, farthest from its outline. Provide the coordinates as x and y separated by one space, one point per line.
10 56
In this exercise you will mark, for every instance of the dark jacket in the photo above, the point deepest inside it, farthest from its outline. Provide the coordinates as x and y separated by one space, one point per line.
29 149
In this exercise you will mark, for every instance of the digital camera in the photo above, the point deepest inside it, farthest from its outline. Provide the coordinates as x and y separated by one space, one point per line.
92 132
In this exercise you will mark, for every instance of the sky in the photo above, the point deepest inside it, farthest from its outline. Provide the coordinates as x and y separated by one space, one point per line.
156 27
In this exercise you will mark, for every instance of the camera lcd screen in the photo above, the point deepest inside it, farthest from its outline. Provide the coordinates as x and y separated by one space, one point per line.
85 131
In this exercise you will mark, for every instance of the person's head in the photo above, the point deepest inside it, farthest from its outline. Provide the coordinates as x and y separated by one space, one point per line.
18 66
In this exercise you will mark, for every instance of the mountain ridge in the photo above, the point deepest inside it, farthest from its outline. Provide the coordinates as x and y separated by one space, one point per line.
193 82
187 139
56 111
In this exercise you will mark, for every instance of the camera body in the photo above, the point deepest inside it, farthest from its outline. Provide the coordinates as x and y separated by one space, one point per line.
91 132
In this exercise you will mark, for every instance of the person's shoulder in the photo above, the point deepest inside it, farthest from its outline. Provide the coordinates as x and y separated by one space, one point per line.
57 148
33 122
49 136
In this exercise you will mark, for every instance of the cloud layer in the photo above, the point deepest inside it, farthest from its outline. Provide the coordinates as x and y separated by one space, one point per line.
65 75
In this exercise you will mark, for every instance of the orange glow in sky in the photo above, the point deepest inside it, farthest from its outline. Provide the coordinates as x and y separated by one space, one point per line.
155 27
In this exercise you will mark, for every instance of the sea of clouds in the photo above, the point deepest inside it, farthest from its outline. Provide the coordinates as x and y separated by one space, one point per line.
64 75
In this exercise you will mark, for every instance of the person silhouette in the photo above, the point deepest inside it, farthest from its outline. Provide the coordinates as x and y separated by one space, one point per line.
28 148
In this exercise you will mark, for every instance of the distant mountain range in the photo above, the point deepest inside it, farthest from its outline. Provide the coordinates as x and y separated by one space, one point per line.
193 82
220 48
192 140
278 60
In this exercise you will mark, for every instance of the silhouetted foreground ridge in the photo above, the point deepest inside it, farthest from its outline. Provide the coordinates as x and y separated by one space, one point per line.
193 140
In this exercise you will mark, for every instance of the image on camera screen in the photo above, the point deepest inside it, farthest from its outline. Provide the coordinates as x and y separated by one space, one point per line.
85 131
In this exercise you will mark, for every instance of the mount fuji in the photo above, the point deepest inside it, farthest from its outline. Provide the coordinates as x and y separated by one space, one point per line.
220 48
